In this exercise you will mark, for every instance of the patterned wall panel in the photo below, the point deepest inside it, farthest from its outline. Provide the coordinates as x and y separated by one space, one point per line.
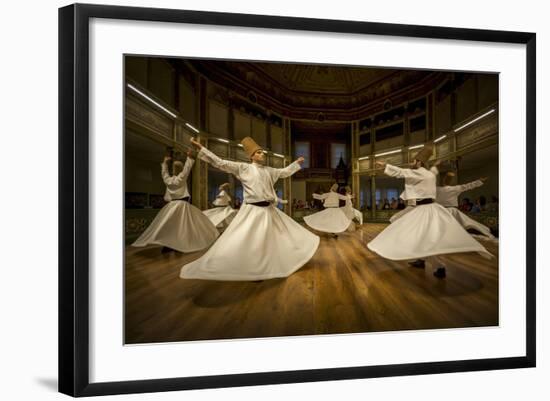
417 137
217 119
443 148
484 129
277 139
151 119
364 150
187 100
364 164
184 135
219 148
259 131
395 159
389 143
241 125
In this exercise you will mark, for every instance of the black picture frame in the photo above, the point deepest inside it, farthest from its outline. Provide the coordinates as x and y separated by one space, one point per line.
74 198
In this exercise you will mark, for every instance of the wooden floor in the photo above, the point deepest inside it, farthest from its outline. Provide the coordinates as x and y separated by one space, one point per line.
344 288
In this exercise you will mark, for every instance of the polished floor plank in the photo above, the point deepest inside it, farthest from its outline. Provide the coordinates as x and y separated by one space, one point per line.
344 288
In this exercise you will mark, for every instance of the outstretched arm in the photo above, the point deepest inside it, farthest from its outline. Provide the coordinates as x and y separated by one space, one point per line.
397 172
320 196
288 170
221 164
164 170
187 166
469 186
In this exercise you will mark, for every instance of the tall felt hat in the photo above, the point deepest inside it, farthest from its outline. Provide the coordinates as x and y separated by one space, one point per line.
225 186
448 178
250 146
334 187
425 153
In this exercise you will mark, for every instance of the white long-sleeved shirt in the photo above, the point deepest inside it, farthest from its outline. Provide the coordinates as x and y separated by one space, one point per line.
176 185
448 195
330 199
419 183
258 180
222 199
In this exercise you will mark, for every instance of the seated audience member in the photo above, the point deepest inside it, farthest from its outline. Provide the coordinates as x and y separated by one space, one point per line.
386 205
476 208
465 206
393 204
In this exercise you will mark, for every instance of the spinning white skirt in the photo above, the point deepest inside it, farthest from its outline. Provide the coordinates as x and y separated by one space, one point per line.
331 220
424 231
259 244
401 213
180 226
218 215
470 224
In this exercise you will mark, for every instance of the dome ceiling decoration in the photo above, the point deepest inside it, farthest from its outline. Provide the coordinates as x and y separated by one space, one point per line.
322 79
305 90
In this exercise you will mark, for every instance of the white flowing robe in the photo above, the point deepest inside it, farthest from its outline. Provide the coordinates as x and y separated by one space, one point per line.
447 196
332 219
427 230
178 225
223 213
261 242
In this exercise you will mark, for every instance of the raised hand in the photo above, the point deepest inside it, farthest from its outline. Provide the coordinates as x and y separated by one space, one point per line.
196 143
166 159
380 164
483 179
300 160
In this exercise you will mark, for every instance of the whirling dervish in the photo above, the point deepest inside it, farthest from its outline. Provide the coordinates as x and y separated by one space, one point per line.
332 219
428 229
447 196
179 225
222 213
261 242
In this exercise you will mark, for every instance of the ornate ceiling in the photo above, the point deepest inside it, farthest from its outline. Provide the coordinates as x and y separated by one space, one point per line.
320 79
306 90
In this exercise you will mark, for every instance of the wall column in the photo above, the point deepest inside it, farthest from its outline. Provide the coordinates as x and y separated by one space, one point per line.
373 196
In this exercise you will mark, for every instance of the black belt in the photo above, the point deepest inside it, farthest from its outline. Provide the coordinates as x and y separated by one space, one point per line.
261 204
424 201
186 199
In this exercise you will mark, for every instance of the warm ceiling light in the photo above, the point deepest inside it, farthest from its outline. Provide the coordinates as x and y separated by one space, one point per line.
391 152
160 106
193 128
474 120
440 138
363 158
221 140
416 146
